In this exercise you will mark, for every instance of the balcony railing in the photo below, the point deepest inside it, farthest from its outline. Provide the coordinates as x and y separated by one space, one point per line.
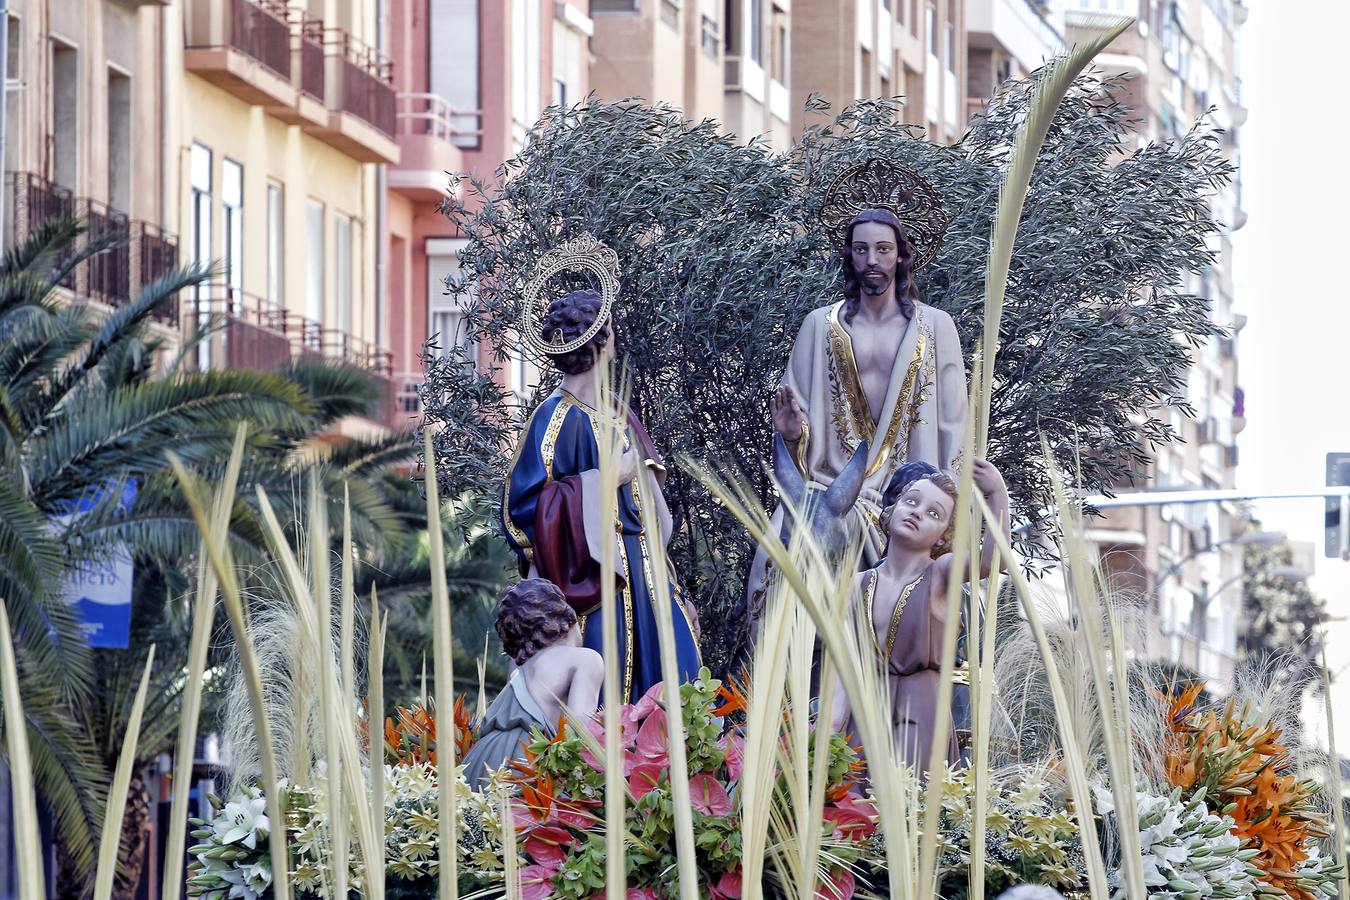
258 29
310 45
365 82
247 332
145 253
430 114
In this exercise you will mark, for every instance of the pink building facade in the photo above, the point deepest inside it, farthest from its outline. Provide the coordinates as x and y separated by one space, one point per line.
471 79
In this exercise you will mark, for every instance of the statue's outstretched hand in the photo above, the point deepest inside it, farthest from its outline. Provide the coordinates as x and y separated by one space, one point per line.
788 417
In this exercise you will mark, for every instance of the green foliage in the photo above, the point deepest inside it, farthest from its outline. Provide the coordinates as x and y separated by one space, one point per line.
720 260
1283 616
84 410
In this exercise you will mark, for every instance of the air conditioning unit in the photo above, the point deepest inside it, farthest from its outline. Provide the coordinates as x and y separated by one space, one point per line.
732 73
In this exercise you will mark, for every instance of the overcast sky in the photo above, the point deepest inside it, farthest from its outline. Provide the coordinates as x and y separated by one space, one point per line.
1291 264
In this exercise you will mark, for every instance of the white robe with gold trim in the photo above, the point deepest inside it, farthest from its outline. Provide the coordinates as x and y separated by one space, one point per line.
923 416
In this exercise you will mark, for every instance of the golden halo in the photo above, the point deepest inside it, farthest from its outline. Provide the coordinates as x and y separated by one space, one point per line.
885 184
580 254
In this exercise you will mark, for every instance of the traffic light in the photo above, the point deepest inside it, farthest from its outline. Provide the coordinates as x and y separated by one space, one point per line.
1337 525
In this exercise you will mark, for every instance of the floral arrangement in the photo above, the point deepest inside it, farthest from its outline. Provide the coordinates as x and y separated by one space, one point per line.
410 735
412 840
1234 755
1189 853
1029 838
560 816
231 857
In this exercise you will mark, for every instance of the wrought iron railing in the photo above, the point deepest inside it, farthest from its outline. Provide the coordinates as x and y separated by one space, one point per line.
140 252
366 82
258 29
312 65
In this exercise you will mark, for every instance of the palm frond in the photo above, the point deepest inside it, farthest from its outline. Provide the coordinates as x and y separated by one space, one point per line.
335 389
123 324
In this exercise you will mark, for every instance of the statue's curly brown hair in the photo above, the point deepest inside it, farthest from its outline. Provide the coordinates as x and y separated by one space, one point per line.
572 314
533 615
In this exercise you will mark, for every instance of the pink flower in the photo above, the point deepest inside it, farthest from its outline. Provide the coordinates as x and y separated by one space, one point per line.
641 894
545 845
728 887
634 713
839 887
708 796
853 817
536 882
734 746
645 778
653 742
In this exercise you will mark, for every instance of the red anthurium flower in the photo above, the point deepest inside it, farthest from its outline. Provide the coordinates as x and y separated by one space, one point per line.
653 743
853 817
728 887
734 747
577 813
641 894
536 882
645 778
840 886
708 796
545 845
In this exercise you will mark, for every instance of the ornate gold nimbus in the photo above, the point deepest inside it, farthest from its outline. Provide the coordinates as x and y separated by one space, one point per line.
885 184
580 254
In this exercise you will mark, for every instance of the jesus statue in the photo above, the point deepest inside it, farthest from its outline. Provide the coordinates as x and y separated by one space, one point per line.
878 365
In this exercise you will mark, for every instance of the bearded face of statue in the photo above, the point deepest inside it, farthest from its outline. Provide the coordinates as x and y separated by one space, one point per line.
875 254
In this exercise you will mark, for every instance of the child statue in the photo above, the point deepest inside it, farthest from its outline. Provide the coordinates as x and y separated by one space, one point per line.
539 630
904 601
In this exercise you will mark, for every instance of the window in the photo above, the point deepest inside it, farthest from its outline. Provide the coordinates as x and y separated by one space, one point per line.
342 271
65 137
13 110
755 30
779 68
670 13
448 324
731 27
276 247
314 294
119 141
930 35
559 92
615 6
232 199
199 164
710 41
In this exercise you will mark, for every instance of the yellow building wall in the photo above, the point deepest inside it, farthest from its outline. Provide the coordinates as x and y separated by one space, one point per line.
271 151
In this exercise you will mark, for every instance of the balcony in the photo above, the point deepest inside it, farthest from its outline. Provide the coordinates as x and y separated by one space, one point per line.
359 94
114 277
244 47
247 332
308 77
430 135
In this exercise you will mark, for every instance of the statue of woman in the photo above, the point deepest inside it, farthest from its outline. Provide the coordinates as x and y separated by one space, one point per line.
540 632
904 601
552 504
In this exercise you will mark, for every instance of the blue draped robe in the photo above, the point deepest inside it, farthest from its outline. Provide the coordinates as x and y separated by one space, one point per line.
550 517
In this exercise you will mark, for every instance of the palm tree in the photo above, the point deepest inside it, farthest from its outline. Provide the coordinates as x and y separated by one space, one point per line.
83 413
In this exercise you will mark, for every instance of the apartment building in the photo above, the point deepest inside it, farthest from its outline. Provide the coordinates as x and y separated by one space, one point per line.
83 125
471 80
280 119
1181 59
846 49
